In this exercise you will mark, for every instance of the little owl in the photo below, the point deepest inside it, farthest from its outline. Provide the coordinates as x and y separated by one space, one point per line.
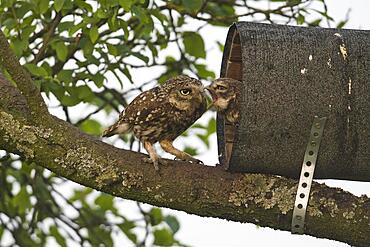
161 114
226 96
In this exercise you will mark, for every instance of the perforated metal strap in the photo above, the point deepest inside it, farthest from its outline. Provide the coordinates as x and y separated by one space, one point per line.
305 181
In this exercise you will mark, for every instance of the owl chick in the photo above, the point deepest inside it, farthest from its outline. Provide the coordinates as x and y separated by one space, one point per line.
225 94
161 114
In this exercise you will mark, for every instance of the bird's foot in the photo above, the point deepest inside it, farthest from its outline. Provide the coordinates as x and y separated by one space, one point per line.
154 162
191 160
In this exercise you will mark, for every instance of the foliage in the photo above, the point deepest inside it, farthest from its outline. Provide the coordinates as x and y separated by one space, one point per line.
87 53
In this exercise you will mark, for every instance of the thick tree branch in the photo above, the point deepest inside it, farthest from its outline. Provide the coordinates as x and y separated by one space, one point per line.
206 191
22 78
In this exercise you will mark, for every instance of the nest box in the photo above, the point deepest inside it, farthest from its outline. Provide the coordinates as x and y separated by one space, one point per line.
290 75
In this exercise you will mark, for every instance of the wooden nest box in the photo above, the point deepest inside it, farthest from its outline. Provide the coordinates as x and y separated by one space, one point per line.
290 75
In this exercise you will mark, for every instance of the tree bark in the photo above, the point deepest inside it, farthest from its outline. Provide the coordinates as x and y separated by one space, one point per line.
264 200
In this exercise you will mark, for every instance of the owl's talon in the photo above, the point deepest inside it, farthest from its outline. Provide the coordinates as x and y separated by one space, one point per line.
147 160
190 160
150 161
196 161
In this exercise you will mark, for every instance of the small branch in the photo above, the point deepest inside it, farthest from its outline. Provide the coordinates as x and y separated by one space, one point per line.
48 36
90 114
66 113
21 77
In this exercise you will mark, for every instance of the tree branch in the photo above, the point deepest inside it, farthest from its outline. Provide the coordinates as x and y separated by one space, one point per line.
48 36
22 78
264 200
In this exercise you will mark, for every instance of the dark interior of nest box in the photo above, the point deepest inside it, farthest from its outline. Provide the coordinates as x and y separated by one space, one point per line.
233 70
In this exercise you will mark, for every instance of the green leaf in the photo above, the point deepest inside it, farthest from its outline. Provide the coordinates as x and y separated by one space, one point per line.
27 31
126 4
98 80
112 49
75 28
43 6
58 5
163 237
127 73
126 228
203 72
113 22
87 47
190 150
172 222
142 57
104 201
342 24
159 15
156 216
315 23
82 4
194 44
204 139
221 46
19 46
94 34
102 14
1 231
192 5
65 76
68 100
21 9
93 127
83 93
221 10
153 49
61 50
300 19
211 126
36 70
140 13
293 2
325 14
58 237
9 23
81 194
57 89
22 200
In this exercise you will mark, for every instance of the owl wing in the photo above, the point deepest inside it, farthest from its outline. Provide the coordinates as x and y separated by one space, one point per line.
148 102
129 116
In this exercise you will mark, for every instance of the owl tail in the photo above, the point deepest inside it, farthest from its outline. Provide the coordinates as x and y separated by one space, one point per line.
117 128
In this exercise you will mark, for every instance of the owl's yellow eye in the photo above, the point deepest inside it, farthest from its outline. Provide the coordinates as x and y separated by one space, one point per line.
185 91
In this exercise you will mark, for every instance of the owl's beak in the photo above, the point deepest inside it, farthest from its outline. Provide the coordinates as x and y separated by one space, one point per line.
211 92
